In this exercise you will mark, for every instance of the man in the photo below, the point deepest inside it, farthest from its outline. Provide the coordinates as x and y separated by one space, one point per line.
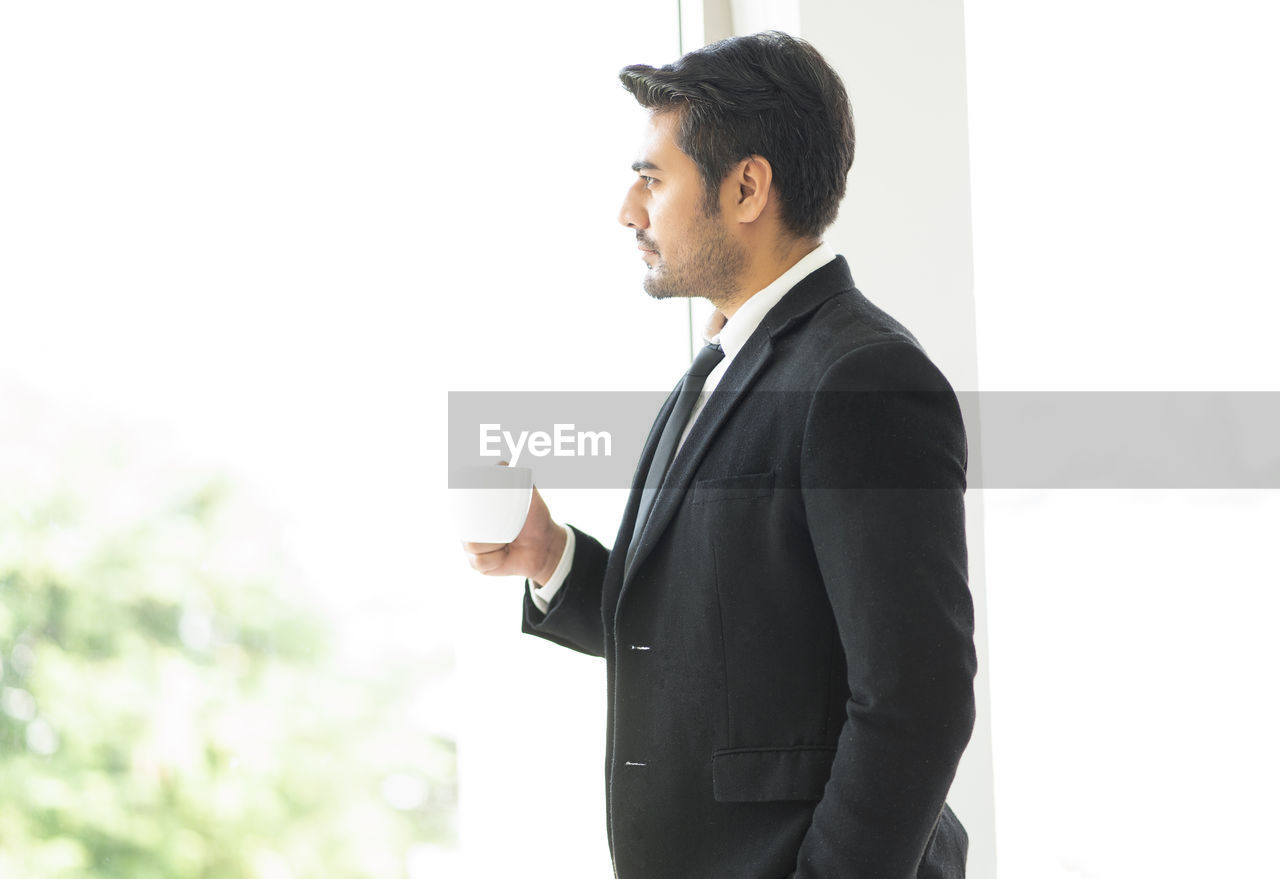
785 613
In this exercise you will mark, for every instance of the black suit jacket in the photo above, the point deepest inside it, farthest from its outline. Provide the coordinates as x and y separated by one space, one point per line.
790 655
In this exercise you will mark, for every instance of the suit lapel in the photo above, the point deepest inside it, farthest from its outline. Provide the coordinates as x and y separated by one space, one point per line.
621 542
789 313
723 401
646 456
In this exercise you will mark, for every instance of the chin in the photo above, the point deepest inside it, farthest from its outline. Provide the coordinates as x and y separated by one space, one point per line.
657 284
657 290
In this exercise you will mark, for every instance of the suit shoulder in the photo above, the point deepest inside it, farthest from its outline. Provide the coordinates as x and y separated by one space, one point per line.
850 321
849 334
848 342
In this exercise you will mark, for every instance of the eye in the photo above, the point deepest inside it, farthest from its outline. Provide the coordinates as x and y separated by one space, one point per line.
648 181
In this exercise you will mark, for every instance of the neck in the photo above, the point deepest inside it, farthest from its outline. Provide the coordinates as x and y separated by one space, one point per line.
769 265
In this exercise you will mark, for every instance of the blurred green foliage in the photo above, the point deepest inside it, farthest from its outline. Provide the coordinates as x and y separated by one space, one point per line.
171 705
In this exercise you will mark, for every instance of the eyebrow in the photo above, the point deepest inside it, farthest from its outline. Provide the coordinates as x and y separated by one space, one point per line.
645 165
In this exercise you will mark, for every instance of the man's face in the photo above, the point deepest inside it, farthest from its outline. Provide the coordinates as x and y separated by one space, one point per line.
685 242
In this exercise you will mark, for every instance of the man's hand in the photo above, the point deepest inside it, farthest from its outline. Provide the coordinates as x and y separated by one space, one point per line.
534 553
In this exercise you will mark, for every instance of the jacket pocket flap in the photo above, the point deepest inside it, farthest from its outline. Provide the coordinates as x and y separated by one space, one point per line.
752 775
728 488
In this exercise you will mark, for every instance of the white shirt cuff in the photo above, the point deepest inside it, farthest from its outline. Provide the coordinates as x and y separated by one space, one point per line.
543 594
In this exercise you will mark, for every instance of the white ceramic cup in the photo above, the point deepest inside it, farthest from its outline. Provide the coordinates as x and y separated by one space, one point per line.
491 503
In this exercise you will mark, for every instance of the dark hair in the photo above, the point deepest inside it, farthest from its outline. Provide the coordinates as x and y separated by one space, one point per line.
767 94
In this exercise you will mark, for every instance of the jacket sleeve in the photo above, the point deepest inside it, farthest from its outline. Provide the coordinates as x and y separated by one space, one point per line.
574 618
883 479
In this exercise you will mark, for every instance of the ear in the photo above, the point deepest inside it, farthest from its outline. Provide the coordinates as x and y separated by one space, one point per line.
752 182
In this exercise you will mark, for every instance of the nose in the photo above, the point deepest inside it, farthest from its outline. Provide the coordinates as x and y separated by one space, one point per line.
632 215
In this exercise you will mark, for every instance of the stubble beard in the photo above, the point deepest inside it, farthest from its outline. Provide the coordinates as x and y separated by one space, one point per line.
710 271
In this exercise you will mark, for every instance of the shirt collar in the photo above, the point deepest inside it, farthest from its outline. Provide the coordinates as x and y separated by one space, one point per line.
733 334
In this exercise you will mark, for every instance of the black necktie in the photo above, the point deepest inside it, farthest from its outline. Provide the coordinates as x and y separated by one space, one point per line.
690 387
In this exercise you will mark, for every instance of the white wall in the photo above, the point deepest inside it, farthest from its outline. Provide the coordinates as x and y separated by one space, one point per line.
1124 184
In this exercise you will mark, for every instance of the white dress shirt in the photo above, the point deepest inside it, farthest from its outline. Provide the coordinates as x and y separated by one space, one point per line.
732 336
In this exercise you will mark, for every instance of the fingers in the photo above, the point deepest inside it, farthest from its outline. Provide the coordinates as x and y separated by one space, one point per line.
487 558
528 554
